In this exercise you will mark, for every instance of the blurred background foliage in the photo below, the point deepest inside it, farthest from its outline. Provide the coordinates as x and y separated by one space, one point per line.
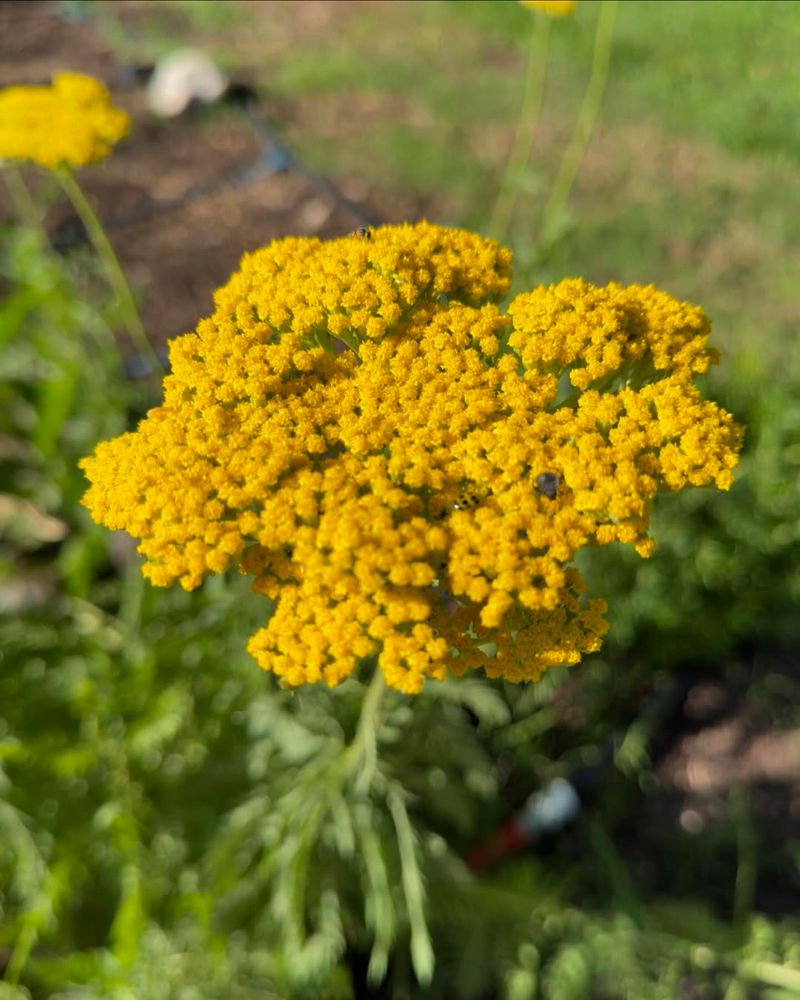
172 825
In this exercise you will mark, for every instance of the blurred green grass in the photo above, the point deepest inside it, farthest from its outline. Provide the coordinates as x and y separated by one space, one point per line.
690 181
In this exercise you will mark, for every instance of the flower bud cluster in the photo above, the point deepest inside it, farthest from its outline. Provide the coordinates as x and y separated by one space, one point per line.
406 470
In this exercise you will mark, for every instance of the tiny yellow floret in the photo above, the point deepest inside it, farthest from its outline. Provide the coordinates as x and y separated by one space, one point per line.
70 123
414 490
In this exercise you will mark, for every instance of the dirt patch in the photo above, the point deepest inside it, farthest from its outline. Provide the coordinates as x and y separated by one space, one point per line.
35 42
734 746
177 206
728 795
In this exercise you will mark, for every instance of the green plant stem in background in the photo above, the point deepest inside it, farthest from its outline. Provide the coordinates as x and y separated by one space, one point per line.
37 917
526 128
585 125
107 254
747 855
23 201
772 974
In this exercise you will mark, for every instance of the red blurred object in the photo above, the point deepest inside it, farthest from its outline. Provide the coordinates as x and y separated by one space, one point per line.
509 841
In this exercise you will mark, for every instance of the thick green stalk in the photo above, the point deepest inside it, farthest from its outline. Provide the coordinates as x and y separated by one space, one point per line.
107 254
362 754
526 128
587 120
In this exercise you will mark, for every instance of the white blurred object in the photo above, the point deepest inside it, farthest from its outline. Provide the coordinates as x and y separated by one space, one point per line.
182 76
549 809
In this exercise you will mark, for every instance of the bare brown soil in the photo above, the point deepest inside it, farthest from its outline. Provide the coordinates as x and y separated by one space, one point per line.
190 217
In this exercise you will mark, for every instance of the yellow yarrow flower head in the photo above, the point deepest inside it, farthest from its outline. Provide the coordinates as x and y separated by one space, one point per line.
406 470
72 123
555 8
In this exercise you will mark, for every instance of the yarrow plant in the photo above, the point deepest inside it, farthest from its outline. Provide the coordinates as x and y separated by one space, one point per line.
72 123
406 469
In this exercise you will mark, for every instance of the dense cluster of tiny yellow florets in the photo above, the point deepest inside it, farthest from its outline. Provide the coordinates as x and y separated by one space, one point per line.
406 470
71 123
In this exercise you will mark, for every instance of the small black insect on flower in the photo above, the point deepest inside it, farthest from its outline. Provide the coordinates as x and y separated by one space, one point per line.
547 483
466 501
363 233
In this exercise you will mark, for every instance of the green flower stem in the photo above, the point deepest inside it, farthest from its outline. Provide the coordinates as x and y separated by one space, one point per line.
106 253
23 201
587 119
526 128
362 754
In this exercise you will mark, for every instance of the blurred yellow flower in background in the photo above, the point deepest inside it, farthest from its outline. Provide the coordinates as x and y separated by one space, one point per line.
556 8
70 123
